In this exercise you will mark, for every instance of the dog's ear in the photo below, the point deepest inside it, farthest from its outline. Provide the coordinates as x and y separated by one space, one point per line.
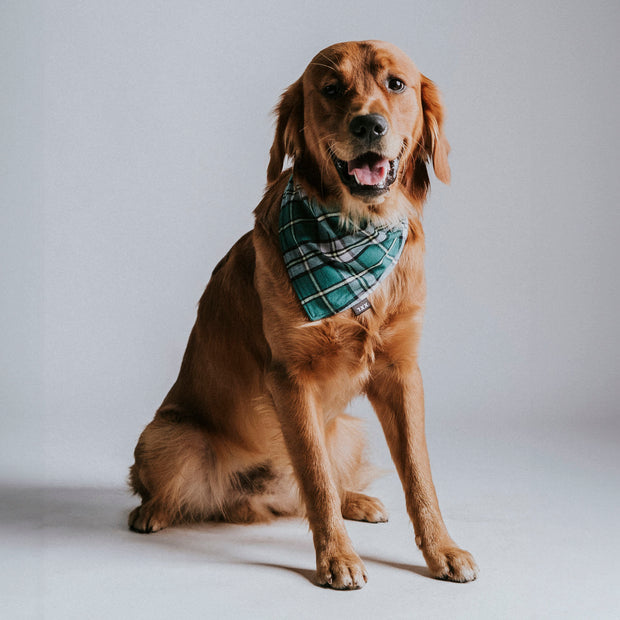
435 141
432 146
289 129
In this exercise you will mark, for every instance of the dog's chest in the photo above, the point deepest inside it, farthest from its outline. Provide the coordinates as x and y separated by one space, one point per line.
336 357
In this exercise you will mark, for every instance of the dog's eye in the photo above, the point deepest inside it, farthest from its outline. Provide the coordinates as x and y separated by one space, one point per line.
396 85
331 90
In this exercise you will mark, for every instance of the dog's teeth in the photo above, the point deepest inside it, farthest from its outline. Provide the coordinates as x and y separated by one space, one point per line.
356 179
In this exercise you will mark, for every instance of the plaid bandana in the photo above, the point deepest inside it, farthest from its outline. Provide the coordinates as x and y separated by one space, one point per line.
334 268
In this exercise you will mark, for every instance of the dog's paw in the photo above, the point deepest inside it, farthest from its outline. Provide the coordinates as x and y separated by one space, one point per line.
452 564
360 507
145 519
342 571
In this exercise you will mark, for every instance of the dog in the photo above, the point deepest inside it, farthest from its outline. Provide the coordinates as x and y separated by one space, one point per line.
322 301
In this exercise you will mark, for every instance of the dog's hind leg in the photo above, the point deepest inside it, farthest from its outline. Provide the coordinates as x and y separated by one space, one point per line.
174 473
346 444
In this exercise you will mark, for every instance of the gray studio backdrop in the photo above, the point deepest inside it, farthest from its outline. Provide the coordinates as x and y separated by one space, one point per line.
134 141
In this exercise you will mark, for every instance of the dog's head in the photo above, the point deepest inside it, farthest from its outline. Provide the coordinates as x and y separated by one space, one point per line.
360 126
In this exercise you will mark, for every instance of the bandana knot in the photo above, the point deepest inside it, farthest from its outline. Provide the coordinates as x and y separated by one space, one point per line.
333 267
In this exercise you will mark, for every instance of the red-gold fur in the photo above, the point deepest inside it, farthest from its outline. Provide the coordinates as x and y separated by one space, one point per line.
255 425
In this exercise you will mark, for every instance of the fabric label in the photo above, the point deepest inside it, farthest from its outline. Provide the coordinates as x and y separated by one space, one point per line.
361 306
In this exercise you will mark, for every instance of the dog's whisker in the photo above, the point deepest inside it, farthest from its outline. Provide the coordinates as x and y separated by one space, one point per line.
318 64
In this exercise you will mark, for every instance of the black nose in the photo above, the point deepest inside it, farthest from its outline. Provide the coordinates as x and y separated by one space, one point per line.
368 127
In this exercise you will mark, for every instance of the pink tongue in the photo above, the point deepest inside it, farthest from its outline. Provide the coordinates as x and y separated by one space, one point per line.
369 174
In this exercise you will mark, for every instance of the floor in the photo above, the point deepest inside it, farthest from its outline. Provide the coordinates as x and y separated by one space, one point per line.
538 507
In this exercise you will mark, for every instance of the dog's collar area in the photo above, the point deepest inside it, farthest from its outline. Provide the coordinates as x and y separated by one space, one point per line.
369 175
333 267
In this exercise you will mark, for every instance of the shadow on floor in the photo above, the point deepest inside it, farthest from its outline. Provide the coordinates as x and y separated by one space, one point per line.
95 516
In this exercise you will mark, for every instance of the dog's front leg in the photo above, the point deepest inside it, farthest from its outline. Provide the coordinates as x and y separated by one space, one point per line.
396 393
337 563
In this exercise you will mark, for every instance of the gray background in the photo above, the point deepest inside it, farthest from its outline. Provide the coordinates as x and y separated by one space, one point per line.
134 143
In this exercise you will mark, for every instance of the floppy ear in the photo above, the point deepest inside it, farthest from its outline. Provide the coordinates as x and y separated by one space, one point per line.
432 146
289 127
435 141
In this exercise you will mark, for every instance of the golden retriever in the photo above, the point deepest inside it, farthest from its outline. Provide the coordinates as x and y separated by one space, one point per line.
255 424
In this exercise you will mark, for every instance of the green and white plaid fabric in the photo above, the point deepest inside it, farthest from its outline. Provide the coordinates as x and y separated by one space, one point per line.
332 268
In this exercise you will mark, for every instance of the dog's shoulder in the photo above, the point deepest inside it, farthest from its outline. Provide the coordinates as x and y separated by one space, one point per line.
403 294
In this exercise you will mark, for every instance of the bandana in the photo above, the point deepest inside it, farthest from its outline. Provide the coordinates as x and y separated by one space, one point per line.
334 267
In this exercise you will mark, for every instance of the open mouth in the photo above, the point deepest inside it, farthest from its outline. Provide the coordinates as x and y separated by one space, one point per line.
369 174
